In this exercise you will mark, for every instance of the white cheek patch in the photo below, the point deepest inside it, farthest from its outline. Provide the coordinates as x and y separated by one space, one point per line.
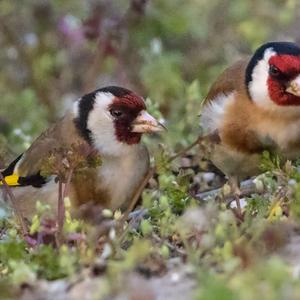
101 125
75 108
258 87
212 115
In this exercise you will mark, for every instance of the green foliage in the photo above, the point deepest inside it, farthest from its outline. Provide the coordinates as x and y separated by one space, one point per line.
270 162
257 205
23 267
270 278
170 52
26 116
157 68
214 289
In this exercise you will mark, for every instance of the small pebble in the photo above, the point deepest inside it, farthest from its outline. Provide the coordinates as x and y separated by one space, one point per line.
292 182
243 203
175 277
209 176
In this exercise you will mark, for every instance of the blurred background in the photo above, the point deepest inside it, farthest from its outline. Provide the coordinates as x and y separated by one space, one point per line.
169 51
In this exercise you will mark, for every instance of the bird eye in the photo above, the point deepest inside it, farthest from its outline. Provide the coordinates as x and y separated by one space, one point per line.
274 71
116 113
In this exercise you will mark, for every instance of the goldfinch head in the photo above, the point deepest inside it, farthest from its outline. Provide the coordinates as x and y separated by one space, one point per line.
113 119
273 76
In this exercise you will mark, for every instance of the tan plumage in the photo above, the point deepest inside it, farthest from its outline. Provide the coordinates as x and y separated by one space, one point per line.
124 162
95 186
245 126
60 135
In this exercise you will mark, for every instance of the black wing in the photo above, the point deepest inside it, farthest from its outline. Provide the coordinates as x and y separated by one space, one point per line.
13 179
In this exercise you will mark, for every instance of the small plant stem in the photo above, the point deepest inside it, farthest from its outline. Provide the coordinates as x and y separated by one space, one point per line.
234 184
16 209
248 187
133 202
68 182
60 213
185 150
138 192
63 191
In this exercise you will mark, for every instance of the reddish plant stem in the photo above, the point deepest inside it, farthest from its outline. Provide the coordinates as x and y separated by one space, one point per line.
68 182
63 191
16 209
60 213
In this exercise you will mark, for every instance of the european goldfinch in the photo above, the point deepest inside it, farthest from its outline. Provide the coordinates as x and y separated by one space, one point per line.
253 106
111 120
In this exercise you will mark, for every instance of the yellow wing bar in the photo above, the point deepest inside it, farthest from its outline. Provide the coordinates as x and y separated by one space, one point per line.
11 180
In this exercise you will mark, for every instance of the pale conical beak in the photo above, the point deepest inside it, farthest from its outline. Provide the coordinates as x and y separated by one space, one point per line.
294 86
145 123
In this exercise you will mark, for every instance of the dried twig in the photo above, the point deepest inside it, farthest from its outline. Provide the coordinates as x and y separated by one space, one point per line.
247 188
138 192
185 150
132 204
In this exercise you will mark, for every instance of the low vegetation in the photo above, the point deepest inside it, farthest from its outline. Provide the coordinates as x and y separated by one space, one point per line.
180 241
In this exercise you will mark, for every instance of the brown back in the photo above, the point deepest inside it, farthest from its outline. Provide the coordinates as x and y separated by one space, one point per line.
233 78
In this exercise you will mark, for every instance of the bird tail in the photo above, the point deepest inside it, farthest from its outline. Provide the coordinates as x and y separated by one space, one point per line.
11 180
10 176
